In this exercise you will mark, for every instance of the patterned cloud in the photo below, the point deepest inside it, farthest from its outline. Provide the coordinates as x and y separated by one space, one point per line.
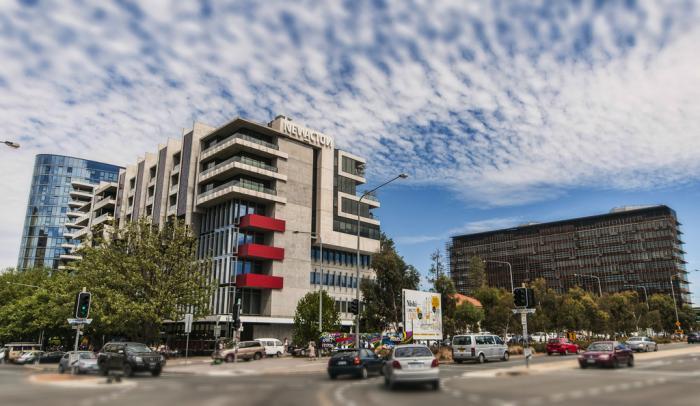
502 102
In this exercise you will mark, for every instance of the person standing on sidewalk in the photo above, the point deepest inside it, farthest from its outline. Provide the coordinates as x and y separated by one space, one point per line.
286 345
312 351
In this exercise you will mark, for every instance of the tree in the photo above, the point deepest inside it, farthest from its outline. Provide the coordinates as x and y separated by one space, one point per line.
467 317
662 315
443 285
476 274
437 268
497 305
142 276
305 327
618 306
382 296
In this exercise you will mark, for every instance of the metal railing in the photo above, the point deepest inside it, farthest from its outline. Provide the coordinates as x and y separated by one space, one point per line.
241 159
242 137
239 183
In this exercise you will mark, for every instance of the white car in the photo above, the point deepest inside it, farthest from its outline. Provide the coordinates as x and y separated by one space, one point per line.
411 363
479 347
273 346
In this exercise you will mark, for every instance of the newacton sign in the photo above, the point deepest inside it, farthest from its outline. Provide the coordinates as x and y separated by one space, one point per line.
422 314
303 134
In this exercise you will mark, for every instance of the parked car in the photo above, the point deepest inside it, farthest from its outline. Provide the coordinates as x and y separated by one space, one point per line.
247 350
606 353
51 357
16 349
642 344
694 337
478 347
360 363
411 363
28 357
273 346
129 357
85 361
561 346
296 351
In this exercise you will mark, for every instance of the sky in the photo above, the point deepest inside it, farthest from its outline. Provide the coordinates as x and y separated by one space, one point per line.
501 112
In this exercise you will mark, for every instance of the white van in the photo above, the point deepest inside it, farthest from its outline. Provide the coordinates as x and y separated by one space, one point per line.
479 347
273 346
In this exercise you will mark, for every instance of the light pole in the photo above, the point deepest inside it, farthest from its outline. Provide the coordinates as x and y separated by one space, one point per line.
314 235
11 144
673 295
510 269
646 297
600 289
357 262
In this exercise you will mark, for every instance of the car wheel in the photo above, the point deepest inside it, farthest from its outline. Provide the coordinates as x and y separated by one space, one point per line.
583 366
279 354
630 362
436 385
549 354
257 356
482 359
156 372
364 373
230 358
506 356
128 370
332 376
61 369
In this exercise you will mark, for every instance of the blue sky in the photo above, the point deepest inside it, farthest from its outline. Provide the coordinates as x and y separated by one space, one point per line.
502 112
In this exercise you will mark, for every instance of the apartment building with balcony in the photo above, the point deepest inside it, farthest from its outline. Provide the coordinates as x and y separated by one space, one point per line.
254 194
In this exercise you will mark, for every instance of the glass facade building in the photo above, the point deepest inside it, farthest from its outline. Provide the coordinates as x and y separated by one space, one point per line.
626 249
49 195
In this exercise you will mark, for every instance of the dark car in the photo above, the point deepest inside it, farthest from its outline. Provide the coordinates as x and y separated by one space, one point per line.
694 337
356 363
606 353
129 358
51 357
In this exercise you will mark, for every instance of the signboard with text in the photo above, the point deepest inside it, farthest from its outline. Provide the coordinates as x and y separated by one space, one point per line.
422 314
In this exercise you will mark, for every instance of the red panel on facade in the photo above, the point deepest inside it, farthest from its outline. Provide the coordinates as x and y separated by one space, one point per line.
262 223
253 280
260 251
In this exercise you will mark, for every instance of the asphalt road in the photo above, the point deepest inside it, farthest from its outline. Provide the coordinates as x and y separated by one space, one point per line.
664 380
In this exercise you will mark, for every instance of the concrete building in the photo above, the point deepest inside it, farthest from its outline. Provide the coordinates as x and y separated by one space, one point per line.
59 185
254 193
630 248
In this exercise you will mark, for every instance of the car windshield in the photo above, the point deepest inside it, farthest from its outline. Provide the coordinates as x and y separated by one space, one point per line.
462 340
138 348
342 354
636 339
87 355
407 352
600 347
554 341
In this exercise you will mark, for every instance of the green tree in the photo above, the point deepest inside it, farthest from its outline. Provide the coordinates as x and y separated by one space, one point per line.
443 284
382 296
305 327
662 315
467 317
619 307
497 304
142 276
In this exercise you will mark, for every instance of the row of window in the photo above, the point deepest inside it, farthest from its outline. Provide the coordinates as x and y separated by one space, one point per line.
343 280
348 226
337 257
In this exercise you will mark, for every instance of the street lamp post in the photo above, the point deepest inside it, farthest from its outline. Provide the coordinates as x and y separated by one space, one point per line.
644 288
510 270
11 144
314 235
673 295
357 262
600 289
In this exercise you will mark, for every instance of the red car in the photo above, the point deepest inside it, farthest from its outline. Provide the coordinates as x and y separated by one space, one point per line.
607 354
562 346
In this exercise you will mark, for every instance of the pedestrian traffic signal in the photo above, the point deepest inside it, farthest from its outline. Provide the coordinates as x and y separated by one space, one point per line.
520 297
82 309
354 306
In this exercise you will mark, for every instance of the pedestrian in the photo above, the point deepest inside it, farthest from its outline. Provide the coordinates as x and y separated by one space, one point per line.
286 345
312 350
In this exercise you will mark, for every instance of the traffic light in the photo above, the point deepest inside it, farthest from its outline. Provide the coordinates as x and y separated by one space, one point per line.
520 297
530 294
82 309
354 306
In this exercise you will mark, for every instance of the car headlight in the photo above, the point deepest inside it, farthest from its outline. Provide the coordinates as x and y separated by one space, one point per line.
138 359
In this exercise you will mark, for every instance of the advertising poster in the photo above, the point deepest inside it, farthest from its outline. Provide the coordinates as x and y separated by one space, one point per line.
422 314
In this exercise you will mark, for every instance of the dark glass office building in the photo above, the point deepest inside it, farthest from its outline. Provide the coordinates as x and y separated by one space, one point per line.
636 248
43 231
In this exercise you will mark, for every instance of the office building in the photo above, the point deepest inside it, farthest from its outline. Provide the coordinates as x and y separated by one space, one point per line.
626 249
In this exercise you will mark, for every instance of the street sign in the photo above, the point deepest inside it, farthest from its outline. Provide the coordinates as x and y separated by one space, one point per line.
217 331
521 311
76 322
188 323
678 323
679 331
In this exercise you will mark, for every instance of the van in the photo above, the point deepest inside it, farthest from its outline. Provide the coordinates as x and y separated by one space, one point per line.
479 347
16 349
273 346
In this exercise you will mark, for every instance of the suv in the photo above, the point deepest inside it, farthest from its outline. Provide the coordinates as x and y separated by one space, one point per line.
247 350
479 347
129 358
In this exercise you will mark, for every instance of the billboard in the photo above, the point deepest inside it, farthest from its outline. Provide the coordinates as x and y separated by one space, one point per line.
422 314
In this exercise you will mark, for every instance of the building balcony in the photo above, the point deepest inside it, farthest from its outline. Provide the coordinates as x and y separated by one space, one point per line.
174 189
101 219
80 233
105 202
253 280
172 210
176 169
370 200
242 142
74 214
69 246
70 257
152 182
259 251
80 195
79 184
240 164
264 223
236 188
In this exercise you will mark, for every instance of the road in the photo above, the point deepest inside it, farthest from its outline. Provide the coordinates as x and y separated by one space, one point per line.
663 378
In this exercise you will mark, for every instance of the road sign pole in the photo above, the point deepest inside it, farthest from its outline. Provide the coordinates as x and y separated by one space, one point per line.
526 351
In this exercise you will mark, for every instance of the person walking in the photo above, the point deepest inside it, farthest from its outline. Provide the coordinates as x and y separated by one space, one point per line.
312 351
286 345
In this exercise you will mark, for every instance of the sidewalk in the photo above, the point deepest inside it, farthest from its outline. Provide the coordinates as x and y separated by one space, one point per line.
266 366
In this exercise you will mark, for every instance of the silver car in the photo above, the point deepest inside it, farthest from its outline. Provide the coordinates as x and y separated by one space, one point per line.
411 363
642 344
86 361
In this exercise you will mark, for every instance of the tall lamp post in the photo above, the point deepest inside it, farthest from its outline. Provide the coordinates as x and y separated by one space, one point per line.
11 144
600 289
510 270
316 236
646 297
357 262
673 295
